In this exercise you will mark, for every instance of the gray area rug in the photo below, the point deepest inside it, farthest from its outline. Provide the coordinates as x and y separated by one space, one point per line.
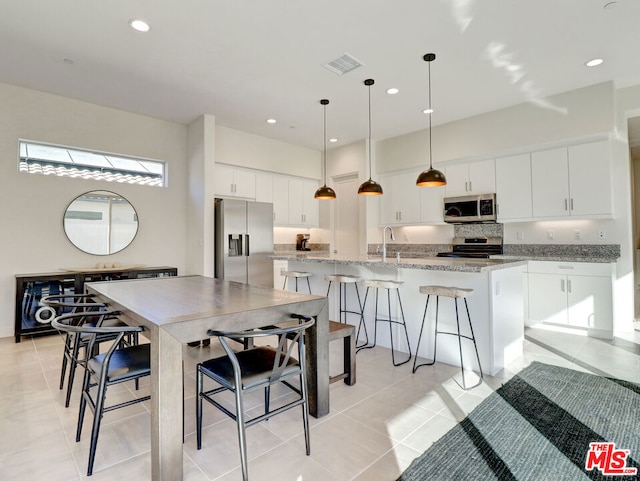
539 426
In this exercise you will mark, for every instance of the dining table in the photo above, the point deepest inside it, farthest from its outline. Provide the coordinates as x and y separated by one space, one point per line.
178 310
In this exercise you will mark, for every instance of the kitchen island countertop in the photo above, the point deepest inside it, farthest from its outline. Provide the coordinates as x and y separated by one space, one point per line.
426 263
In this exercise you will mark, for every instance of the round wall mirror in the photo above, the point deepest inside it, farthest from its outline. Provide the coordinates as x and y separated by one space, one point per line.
100 222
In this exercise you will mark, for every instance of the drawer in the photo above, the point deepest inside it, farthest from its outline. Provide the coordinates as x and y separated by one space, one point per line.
571 268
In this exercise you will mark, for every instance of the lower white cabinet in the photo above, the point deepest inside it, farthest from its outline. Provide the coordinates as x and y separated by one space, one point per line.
576 294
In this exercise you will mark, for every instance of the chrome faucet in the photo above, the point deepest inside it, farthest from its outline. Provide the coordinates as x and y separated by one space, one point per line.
384 241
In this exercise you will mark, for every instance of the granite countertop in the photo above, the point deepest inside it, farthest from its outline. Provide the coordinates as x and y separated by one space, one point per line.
558 258
427 263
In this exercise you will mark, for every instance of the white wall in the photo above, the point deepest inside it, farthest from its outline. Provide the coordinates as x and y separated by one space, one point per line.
246 150
32 238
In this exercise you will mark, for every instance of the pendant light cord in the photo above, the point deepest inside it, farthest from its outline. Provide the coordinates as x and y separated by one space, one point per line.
430 113
324 143
370 129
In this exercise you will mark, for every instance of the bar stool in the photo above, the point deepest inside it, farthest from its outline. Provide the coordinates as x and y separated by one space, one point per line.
455 293
378 284
296 275
343 281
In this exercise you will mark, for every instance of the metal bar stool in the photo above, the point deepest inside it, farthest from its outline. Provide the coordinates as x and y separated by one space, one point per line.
378 284
343 281
455 293
296 275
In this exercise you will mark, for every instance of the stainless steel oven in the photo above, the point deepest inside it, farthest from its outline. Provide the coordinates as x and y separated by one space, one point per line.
470 208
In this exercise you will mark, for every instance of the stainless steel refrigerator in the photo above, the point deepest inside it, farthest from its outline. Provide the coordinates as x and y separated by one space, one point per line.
243 240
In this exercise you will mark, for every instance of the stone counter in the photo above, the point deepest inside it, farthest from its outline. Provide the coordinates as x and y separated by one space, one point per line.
426 263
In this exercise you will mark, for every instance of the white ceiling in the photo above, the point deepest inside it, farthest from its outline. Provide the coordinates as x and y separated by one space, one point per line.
244 61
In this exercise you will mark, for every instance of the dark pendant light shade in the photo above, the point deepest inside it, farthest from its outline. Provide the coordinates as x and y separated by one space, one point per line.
370 187
430 177
324 192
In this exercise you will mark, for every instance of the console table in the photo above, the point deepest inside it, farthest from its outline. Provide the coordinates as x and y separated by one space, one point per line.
30 287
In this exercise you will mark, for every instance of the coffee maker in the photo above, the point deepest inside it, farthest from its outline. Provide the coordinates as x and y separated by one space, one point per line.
302 242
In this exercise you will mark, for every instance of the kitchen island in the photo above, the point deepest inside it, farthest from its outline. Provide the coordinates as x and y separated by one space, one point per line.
496 307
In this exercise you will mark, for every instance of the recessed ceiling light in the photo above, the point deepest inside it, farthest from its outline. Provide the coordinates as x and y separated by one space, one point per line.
333 141
594 62
392 91
427 111
139 25
271 121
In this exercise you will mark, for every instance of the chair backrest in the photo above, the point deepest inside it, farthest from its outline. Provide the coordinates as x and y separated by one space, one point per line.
58 304
290 336
79 323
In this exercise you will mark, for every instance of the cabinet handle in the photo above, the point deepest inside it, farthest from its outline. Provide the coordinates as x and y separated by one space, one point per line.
470 187
565 267
566 207
571 204
231 188
466 186
562 285
399 215
569 285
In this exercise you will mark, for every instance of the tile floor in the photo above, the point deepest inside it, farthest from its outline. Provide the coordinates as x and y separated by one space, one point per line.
374 430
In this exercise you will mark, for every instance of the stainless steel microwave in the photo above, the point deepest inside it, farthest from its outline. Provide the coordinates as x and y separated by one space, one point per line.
470 208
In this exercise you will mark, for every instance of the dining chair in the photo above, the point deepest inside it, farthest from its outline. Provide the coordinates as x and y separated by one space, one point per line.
77 343
254 369
117 365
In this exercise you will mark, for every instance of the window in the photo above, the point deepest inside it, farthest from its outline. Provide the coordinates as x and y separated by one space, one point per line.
60 161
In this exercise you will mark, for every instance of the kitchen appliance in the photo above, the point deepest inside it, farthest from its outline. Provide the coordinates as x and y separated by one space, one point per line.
470 208
474 247
302 242
243 240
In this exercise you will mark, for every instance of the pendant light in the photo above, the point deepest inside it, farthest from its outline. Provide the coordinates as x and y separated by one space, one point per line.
324 192
370 187
430 177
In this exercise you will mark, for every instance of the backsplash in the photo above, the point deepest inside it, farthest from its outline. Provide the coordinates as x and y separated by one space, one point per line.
478 230
571 250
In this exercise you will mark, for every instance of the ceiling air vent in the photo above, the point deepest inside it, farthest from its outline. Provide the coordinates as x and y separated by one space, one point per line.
343 64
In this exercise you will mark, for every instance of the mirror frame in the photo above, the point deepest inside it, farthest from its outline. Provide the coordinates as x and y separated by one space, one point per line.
110 195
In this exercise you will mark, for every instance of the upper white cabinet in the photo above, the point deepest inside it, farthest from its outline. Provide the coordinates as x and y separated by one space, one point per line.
572 181
303 208
400 203
231 182
472 178
432 205
590 178
513 187
264 187
280 196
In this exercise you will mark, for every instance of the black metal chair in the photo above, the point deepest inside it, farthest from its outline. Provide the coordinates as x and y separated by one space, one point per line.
75 344
253 369
117 365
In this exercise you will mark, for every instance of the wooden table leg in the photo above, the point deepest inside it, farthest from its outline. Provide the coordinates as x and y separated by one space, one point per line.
317 349
166 407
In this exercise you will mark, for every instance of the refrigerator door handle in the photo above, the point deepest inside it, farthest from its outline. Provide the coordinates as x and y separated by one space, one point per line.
246 243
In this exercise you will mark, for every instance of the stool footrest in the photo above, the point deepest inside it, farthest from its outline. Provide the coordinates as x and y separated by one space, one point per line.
347 332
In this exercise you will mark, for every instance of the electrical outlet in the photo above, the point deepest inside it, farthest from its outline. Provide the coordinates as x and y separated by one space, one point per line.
602 234
551 235
520 235
577 234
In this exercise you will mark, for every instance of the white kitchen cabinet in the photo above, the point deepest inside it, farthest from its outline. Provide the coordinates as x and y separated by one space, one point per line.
231 182
572 181
303 207
400 204
590 179
432 205
574 294
264 187
280 200
513 188
471 178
